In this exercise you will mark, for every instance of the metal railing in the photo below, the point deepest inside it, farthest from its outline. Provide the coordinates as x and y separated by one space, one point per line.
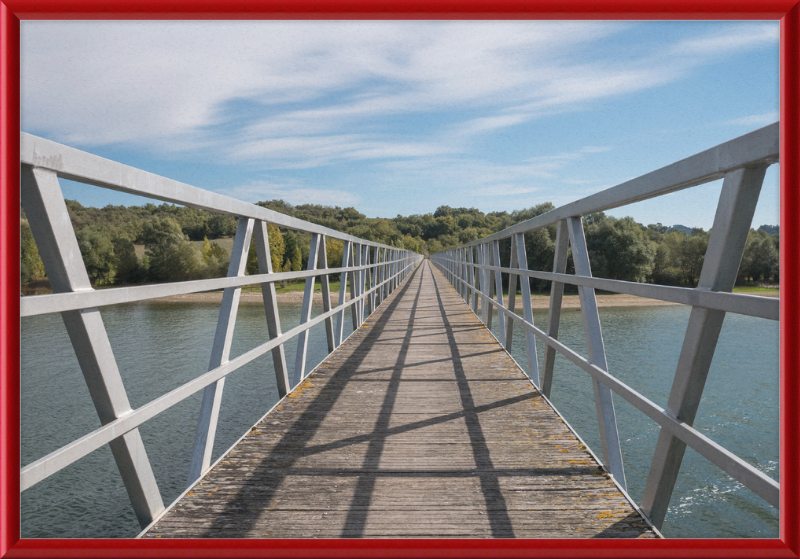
742 162
374 271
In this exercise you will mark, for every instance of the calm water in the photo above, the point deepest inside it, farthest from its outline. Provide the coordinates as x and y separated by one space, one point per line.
160 346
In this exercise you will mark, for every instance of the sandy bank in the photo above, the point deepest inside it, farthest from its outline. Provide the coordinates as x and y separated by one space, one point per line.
538 302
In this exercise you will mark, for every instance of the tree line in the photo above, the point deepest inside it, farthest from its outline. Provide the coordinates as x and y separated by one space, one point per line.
619 248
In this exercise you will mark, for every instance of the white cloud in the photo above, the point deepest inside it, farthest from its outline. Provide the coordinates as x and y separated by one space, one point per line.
502 190
313 151
755 120
728 41
265 190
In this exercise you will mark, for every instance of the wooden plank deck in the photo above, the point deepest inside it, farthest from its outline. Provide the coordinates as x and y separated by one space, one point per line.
420 425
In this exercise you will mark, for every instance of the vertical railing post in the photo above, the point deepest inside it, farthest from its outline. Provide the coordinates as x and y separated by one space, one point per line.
728 238
396 280
367 281
554 313
220 352
271 307
474 258
459 270
354 285
55 238
465 261
305 313
512 294
374 285
346 257
450 271
498 278
484 261
525 288
384 274
488 257
361 279
325 286
464 275
606 416
393 281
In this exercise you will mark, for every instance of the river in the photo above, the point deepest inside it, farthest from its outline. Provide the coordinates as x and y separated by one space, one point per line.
160 346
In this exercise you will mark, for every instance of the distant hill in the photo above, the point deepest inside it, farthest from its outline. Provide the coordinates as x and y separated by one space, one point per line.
687 230
771 230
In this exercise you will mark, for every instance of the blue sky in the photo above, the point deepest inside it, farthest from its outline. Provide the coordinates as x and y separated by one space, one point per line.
402 117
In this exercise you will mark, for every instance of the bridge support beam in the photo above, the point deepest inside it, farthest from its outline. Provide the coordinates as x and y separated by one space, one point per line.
354 277
325 286
317 241
512 295
464 272
58 247
473 271
486 285
498 279
220 352
525 285
374 300
346 257
606 416
554 313
271 308
737 204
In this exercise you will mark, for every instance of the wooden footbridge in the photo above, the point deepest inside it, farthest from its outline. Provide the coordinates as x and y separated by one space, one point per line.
420 424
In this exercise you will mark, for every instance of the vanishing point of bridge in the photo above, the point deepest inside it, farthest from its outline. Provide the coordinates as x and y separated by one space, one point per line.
420 424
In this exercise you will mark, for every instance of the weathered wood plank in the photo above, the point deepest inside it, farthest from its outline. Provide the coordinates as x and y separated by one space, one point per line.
420 425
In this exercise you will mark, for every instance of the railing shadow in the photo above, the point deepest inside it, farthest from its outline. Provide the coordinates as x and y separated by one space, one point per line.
284 454
632 526
499 520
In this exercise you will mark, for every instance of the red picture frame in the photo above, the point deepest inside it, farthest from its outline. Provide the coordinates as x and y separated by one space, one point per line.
787 11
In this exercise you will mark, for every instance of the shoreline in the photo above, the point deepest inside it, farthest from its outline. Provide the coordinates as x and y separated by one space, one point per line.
538 301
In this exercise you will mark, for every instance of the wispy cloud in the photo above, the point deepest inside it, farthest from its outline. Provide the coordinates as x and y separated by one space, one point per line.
293 194
502 190
725 42
755 120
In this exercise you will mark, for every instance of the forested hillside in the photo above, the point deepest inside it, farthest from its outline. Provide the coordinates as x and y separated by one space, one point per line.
619 248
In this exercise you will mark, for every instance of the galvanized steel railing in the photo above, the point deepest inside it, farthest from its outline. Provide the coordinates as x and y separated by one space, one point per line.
742 162
374 271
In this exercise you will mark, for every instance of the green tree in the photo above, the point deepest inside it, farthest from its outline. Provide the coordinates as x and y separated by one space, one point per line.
276 251
760 261
292 256
128 268
97 251
433 246
171 256
212 250
215 258
276 246
690 255
220 225
619 249
31 266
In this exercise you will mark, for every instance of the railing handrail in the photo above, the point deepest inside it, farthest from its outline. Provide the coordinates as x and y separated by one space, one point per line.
742 162
373 270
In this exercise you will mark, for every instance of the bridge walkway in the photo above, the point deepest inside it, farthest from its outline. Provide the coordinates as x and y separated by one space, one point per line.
419 425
